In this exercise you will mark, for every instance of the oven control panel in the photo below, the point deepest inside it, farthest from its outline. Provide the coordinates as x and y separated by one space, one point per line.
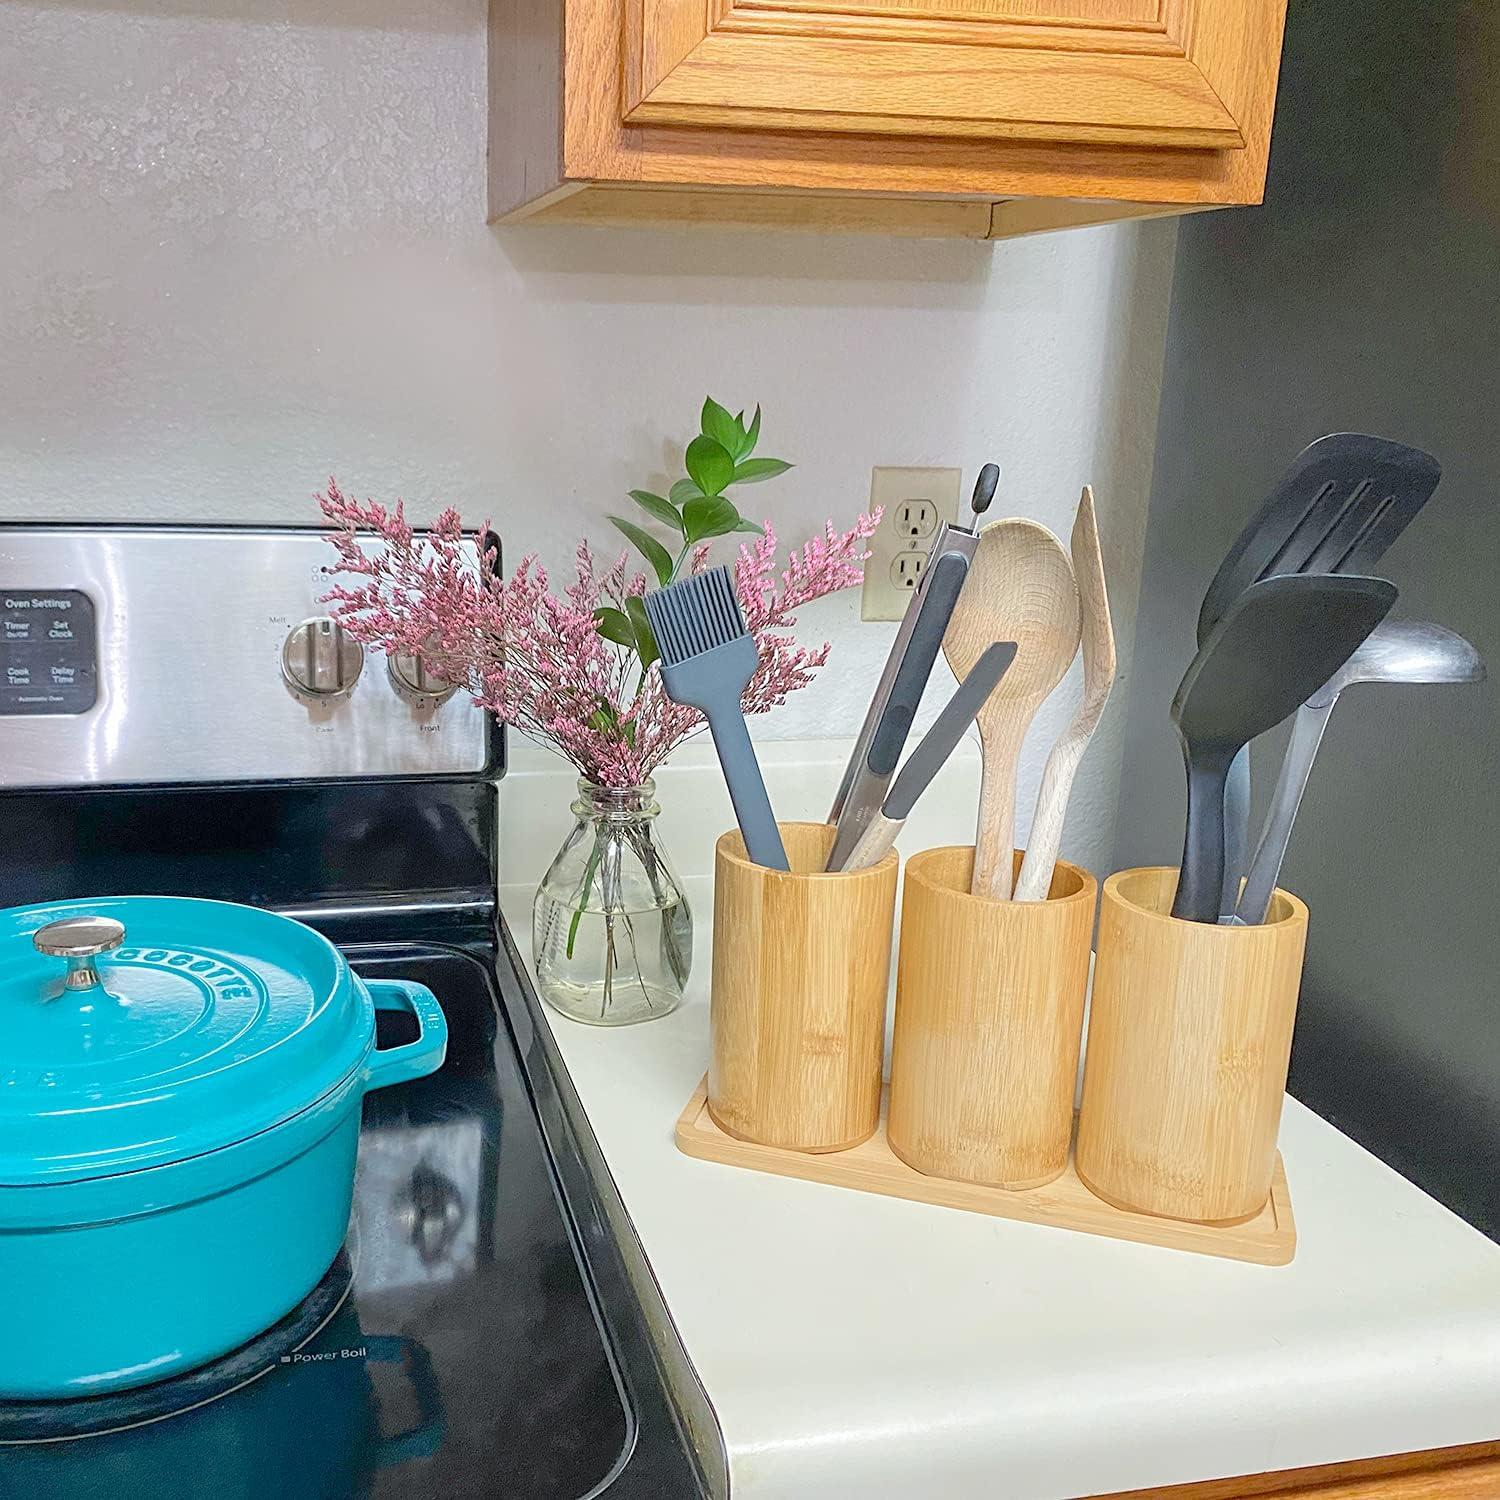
183 654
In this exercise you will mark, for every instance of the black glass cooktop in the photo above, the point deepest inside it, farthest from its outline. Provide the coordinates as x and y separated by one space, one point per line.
464 1358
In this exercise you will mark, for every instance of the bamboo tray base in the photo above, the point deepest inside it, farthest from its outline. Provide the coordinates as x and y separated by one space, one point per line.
1269 1239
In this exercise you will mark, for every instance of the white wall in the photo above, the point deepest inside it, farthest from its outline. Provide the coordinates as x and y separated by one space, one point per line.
242 247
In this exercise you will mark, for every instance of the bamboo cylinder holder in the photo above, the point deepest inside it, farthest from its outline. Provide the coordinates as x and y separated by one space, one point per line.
989 1012
801 974
1190 1035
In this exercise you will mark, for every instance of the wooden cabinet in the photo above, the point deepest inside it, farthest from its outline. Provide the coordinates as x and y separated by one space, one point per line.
1468 1473
966 117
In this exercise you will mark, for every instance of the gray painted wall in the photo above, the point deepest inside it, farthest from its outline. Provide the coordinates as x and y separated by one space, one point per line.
1365 294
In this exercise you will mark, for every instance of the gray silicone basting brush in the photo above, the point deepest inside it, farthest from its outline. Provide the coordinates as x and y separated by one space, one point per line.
707 659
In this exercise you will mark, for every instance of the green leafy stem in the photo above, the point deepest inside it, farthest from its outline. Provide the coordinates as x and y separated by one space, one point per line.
694 510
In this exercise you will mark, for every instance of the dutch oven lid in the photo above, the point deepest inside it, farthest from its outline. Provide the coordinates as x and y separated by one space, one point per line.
139 1030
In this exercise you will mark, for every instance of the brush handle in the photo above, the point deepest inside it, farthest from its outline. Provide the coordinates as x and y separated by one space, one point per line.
1201 882
747 789
1236 830
1265 868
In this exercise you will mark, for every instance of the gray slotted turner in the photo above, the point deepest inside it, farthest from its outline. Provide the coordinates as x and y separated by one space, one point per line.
1343 501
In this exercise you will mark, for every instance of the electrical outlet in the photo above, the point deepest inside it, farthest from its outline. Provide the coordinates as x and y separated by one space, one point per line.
916 519
907 569
916 502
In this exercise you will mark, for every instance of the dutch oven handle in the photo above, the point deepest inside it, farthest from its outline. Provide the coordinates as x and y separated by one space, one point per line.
413 1059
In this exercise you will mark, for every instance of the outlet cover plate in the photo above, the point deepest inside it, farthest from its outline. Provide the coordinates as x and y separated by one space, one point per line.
916 503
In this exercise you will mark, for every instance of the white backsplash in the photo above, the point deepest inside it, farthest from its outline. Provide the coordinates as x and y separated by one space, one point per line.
242 247
801 777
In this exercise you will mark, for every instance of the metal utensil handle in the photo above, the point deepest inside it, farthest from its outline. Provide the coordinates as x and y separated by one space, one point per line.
1236 829
1265 868
949 538
933 610
79 940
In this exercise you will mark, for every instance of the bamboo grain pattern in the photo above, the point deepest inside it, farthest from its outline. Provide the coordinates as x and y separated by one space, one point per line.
1190 1034
989 1013
801 971
1269 1239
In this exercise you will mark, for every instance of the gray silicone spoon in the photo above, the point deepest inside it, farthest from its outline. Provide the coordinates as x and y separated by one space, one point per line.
1277 644
1396 651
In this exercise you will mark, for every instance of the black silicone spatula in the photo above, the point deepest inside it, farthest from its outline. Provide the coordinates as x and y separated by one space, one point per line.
1276 645
1337 509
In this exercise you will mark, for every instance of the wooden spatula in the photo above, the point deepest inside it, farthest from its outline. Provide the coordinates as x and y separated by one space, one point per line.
1020 588
1045 838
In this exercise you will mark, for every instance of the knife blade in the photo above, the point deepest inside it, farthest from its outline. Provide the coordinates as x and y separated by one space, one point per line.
932 754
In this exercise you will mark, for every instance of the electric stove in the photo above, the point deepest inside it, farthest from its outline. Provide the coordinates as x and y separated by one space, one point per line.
177 716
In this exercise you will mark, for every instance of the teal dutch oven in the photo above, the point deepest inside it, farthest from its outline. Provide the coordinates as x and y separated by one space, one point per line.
180 1087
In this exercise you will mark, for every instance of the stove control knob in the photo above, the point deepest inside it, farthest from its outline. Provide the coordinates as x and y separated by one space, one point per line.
415 681
320 659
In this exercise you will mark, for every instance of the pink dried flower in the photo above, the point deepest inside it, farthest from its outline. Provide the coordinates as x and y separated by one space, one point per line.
537 660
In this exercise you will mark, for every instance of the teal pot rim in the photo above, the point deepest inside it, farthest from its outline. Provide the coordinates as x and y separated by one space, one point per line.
211 1025
86 1202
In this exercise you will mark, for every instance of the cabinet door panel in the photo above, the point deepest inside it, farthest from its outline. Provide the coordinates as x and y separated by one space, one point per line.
1129 72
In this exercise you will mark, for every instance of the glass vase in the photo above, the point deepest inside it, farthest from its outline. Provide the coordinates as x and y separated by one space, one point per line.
611 933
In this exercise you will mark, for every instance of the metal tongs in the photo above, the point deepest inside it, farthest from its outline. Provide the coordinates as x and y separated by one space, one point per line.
888 720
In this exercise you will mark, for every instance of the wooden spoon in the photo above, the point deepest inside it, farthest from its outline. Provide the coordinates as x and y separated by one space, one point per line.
1020 588
1098 677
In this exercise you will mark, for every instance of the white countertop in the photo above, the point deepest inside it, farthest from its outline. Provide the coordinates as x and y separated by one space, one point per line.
858 1346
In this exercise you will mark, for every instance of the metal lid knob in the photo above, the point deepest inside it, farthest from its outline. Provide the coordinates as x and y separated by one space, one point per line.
79 940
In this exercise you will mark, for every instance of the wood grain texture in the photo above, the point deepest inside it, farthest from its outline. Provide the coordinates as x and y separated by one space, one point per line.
598 145
841 79
1270 1239
644 204
1020 588
989 1014
801 974
1190 1033
1471 1472
1049 15
1045 838
971 23
1017 216
723 208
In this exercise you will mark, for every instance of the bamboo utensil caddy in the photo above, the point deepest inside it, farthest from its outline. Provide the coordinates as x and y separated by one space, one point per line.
1190 1034
801 975
1269 1239
1195 1027
989 1012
